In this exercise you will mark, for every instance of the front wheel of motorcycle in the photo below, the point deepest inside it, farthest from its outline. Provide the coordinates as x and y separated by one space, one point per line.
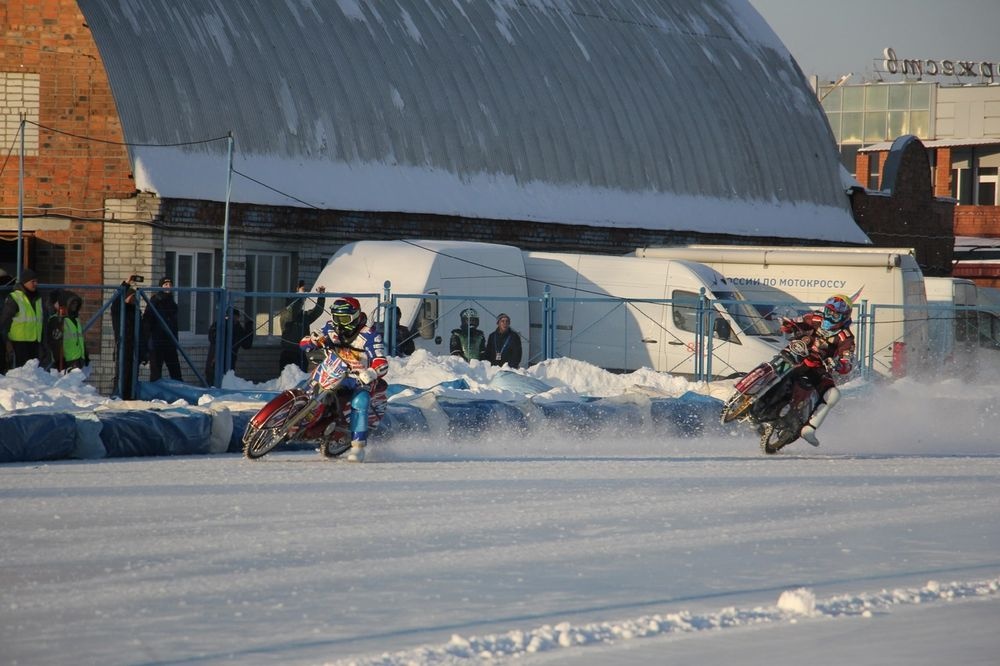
262 438
773 437
736 407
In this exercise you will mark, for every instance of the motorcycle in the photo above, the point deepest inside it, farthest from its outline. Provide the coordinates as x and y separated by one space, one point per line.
776 399
317 415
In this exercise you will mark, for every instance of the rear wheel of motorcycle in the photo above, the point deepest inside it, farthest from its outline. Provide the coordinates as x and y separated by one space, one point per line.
338 442
262 439
736 407
774 437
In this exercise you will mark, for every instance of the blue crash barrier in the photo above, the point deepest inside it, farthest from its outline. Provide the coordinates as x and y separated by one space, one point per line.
171 390
690 415
591 416
469 418
36 436
150 432
518 383
401 419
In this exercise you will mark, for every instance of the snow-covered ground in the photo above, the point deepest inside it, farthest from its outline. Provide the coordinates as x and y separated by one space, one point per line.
882 546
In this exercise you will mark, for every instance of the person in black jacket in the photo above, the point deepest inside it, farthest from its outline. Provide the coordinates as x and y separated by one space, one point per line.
294 322
242 339
125 340
6 286
504 344
162 346
404 337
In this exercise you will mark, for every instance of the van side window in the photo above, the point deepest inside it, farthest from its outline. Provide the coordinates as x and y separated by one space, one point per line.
427 315
685 310
685 316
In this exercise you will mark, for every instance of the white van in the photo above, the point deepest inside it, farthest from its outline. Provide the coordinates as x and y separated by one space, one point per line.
592 321
887 277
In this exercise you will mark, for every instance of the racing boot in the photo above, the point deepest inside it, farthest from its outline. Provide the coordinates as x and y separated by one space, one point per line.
358 441
828 400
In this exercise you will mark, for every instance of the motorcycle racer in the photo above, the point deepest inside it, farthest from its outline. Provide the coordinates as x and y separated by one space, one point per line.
348 336
831 347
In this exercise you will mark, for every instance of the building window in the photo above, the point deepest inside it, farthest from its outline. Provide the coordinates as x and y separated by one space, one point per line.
268 273
986 193
19 95
961 186
873 170
871 113
193 268
849 158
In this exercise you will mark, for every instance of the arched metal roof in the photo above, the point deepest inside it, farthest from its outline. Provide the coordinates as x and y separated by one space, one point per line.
662 114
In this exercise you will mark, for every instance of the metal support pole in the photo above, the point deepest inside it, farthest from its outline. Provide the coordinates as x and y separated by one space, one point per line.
388 319
225 221
223 340
20 205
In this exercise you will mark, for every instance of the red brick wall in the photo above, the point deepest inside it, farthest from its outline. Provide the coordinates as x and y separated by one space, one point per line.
977 221
70 177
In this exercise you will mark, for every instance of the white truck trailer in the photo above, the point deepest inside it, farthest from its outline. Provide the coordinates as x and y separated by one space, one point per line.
888 278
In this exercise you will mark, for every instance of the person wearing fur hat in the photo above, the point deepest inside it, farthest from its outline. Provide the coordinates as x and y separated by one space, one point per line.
162 338
22 321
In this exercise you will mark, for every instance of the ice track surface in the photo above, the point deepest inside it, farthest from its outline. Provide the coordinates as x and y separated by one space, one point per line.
582 549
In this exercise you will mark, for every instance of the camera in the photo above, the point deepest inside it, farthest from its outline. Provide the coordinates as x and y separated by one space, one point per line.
136 278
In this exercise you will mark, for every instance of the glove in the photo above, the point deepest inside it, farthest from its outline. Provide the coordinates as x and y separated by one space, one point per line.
366 376
813 360
842 366
787 325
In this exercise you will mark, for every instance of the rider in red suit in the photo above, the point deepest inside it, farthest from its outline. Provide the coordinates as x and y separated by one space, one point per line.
831 347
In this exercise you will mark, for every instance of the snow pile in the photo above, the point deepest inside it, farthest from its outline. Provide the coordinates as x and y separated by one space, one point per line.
792 604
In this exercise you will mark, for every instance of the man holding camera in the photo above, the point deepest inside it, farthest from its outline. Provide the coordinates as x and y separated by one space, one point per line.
295 326
125 336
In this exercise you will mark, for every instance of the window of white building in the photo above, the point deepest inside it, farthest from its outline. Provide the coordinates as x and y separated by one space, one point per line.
267 272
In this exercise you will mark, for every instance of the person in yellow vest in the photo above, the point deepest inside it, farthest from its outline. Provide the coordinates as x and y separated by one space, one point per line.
65 335
21 321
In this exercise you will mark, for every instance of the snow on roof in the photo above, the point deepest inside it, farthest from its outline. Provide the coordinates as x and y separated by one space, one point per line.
688 115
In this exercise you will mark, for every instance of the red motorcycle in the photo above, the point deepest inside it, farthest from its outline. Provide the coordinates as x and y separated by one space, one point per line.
775 398
318 415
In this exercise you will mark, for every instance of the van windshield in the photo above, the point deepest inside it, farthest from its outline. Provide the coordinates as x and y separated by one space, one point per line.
750 318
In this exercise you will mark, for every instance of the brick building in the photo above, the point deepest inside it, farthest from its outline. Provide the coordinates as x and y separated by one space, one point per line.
958 123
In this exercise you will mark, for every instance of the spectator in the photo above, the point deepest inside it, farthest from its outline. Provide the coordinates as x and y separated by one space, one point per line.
162 340
64 334
6 286
468 341
21 321
404 338
504 344
242 339
55 308
295 326
125 342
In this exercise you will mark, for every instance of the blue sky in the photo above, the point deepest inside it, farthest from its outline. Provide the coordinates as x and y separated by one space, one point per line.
829 38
